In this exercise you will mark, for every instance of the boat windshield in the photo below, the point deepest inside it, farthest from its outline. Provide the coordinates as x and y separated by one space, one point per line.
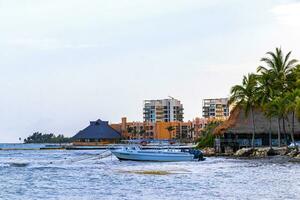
132 148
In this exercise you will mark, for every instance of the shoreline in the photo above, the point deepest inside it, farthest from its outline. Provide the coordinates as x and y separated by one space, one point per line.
260 153
277 154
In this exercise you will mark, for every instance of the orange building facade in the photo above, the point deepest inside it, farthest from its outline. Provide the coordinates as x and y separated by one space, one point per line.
184 131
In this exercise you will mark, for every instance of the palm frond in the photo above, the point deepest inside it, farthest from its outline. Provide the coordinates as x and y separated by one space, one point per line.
291 64
269 62
261 69
286 58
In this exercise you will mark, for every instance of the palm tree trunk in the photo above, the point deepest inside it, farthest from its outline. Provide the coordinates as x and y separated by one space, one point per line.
253 126
293 130
270 132
279 132
284 131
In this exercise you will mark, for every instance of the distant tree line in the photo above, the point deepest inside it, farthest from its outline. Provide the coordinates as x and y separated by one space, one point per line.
38 137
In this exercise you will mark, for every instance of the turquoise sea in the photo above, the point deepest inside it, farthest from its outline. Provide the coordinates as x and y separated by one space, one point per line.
66 174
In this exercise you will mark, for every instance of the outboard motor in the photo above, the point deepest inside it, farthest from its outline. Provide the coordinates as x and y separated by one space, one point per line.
197 154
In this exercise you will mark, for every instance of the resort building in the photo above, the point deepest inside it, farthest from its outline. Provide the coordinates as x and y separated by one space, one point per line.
184 131
198 125
236 132
135 130
215 108
97 133
174 130
163 110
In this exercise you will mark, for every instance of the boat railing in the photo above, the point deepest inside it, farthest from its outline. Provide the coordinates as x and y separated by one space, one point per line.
114 146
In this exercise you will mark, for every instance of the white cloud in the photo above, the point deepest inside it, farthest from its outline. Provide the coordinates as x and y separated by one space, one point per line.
288 14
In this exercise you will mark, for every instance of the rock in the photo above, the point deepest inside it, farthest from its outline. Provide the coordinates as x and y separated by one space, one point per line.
293 153
281 151
261 152
271 152
257 153
244 152
208 151
295 159
229 151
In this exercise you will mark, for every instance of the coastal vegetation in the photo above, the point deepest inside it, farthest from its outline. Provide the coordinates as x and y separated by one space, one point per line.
207 136
245 95
135 132
38 137
274 89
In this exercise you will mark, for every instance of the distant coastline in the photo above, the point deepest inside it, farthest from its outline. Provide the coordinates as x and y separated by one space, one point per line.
42 138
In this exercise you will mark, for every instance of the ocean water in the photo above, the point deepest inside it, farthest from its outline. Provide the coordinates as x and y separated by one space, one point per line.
62 174
21 146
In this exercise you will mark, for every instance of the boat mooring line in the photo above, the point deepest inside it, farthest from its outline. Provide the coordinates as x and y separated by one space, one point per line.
98 156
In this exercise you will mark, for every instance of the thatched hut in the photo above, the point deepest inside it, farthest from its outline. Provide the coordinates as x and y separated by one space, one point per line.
237 130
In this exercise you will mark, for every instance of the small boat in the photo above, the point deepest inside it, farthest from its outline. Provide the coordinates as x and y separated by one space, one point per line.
135 153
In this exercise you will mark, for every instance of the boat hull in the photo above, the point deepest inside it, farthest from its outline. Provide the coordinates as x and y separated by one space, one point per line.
154 157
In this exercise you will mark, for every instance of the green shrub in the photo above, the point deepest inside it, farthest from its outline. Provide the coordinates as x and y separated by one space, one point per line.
207 137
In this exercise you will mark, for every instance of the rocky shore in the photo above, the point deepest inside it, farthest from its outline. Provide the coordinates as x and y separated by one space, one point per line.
263 152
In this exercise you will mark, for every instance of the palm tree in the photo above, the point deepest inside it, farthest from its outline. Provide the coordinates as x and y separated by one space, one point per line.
279 71
297 84
142 134
279 67
297 109
272 110
292 99
265 95
129 131
278 108
296 72
245 96
170 129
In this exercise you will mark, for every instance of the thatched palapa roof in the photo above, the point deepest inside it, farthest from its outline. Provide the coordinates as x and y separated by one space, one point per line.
239 123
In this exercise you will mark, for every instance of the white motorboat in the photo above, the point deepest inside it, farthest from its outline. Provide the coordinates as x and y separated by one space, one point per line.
135 153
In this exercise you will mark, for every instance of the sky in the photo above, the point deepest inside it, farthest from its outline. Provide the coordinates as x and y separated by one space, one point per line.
64 63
